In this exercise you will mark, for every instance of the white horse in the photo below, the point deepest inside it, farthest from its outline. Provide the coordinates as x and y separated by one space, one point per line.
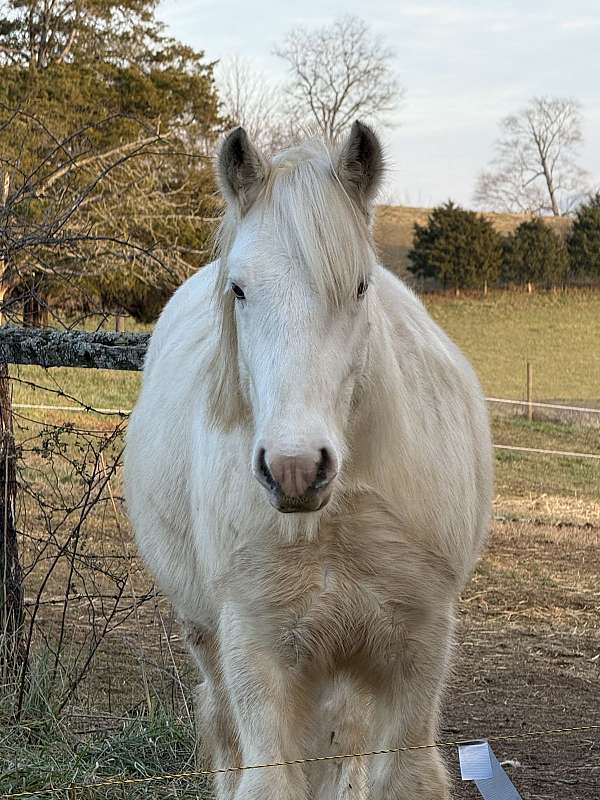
309 474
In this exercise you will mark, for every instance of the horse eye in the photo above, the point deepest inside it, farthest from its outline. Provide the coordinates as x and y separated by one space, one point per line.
239 293
362 288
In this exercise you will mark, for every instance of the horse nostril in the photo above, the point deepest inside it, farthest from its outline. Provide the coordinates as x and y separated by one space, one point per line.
264 474
326 470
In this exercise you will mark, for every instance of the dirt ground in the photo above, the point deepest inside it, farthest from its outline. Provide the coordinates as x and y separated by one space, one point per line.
527 656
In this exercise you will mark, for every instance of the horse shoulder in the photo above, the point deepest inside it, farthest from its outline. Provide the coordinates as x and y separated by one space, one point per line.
441 447
160 434
186 318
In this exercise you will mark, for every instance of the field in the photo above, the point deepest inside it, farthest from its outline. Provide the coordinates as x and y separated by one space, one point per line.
558 333
528 650
526 659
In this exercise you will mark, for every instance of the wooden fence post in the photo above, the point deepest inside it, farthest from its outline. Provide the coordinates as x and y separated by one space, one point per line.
11 584
3 264
11 576
119 323
529 392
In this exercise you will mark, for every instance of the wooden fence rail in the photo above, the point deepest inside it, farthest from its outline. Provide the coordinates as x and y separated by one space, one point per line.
53 348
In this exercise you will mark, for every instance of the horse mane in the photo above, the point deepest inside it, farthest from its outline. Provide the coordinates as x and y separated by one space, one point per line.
318 227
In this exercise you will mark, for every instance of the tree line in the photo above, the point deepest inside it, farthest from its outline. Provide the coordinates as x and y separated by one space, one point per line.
461 249
108 127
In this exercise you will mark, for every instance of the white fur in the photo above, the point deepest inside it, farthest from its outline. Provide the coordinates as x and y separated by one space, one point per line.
327 632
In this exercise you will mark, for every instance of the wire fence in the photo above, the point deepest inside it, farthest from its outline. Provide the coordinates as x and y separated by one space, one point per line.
173 776
556 406
85 581
125 412
507 401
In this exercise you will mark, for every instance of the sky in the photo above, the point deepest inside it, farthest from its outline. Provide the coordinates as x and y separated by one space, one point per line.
464 65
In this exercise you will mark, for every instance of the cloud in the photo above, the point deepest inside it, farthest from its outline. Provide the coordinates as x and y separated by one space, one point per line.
580 23
465 65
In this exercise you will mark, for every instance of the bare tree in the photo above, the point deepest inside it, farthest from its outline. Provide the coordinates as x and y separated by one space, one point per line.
249 98
535 169
117 227
339 72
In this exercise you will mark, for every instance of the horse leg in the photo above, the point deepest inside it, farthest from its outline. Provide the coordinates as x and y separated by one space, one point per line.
270 702
340 728
406 714
216 735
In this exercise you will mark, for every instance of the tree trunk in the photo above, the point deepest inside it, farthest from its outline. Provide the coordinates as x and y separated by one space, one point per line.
11 586
2 292
28 313
33 312
548 177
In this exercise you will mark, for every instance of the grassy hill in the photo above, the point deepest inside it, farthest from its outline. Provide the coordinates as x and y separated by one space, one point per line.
394 228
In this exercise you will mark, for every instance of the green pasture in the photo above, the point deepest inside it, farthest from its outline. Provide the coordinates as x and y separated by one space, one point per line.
558 333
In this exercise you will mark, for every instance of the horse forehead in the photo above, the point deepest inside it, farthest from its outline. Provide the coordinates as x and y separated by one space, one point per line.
258 254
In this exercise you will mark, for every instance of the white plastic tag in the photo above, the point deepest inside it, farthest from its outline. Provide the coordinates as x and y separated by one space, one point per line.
475 762
478 763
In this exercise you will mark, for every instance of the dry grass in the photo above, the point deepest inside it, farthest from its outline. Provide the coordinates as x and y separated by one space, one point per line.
540 575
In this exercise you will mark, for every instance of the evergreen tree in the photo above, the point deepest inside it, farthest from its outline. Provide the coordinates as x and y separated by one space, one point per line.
38 34
457 248
535 254
583 242
106 126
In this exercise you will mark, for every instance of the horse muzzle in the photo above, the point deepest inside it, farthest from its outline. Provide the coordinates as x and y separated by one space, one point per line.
296 483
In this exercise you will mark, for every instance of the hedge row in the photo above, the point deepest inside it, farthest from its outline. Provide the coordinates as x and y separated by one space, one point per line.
462 249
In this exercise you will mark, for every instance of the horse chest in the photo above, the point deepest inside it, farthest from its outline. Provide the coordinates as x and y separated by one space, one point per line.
322 605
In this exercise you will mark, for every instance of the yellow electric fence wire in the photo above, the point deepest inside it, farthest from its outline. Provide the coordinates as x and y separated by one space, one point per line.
203 772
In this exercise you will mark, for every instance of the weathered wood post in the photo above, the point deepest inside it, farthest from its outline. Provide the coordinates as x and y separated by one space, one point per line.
529 392
11 583
4 268
119 323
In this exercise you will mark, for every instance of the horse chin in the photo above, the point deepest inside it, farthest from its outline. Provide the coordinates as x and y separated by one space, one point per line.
309 503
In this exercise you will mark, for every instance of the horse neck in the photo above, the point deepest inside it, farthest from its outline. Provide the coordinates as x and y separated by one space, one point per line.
375 420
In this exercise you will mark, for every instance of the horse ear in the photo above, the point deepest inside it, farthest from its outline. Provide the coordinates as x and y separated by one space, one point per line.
241 169
361 164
